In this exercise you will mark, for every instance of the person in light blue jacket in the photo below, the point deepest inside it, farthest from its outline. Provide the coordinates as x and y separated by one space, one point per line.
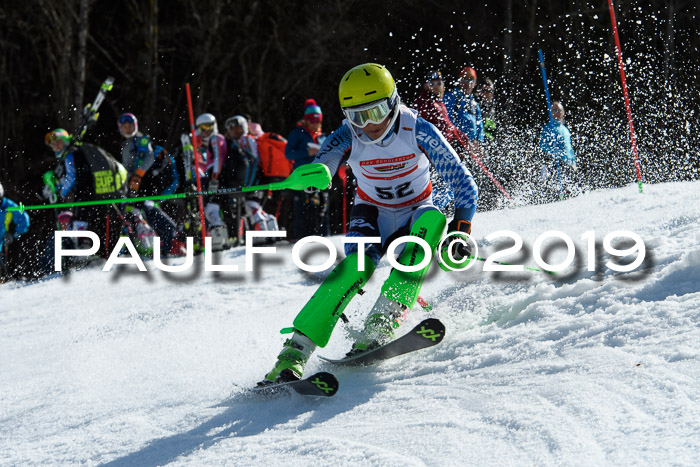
12 223
555 143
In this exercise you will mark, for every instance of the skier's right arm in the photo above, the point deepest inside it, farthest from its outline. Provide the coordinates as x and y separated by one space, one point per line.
335 148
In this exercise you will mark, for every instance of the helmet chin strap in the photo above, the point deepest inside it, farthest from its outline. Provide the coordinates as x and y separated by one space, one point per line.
389 127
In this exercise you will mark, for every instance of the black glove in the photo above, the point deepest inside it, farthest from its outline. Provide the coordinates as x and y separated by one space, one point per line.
460 250
459 225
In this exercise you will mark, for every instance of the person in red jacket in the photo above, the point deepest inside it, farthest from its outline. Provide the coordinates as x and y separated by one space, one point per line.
431 108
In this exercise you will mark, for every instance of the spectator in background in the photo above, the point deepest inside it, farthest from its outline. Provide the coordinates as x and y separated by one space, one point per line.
463 109
488 109
82 173
559 165
255 129
244 157
303 143
240 163
138 158
465 113
431 108
12 225
212 151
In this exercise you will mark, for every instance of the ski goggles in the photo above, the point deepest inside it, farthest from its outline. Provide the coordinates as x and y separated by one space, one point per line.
52 136
126 119
376 112
206 127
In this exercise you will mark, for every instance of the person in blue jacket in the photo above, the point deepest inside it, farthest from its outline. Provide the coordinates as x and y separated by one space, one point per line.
12 223
142 162
560 161
463 108
310 209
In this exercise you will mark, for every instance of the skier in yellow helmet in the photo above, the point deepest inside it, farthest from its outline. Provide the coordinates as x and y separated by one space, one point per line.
390 150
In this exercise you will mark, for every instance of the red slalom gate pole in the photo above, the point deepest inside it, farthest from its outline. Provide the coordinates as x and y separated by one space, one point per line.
621 65
196 160
471 153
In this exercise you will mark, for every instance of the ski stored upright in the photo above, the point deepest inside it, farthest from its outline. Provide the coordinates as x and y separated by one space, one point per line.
90 112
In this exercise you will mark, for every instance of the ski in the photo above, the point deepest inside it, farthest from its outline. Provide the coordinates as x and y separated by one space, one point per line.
188 156
426 334
90 114
317 385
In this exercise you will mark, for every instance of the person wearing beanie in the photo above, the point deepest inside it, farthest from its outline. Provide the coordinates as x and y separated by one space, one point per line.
310 212
463 108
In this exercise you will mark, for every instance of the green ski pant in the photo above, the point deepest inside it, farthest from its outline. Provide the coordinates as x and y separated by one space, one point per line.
321 313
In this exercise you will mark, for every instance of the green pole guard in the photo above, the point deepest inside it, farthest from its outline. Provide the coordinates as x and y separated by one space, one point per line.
404 287
315 175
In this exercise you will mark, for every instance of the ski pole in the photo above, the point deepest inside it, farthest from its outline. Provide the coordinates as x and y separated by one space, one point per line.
551 119
314 175
628 108
546 86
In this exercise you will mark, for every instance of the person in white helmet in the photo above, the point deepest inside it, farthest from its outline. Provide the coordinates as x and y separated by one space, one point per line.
138 158
212 151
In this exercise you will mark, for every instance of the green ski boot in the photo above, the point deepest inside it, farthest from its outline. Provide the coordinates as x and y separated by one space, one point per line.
379 327
291 360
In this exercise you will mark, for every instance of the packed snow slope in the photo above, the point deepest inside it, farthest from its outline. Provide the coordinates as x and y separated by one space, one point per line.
586 368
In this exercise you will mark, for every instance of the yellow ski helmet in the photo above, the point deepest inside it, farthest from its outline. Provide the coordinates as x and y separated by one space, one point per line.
365 83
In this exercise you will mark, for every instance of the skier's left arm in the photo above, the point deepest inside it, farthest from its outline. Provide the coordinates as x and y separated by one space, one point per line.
449 166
